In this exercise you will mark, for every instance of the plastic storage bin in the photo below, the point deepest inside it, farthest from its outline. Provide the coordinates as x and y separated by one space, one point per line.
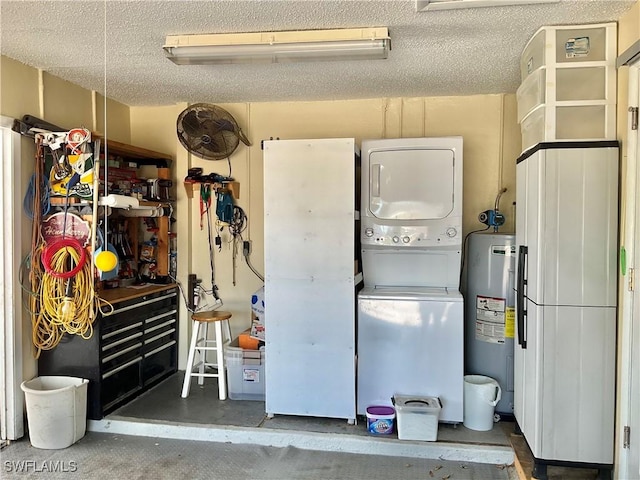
569 45
56 410
568 89
245 372
568 122
417 417
566 86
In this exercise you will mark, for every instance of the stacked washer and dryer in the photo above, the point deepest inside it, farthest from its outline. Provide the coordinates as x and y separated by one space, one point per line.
410 312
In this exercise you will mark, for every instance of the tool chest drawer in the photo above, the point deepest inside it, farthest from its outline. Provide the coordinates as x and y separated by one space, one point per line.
131 349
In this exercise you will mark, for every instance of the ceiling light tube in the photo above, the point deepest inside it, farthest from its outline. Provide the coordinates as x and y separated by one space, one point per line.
426 5
279 47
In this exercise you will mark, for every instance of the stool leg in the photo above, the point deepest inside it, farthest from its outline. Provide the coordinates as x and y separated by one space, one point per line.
222 378
203 353
192 351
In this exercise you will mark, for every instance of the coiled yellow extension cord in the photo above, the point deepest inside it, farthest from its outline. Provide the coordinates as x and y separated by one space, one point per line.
49 324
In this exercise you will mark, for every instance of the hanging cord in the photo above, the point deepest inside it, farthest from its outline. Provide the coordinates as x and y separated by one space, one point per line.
29 202
50 324
36 272
246 254
464 250
237 227
214 287
496 206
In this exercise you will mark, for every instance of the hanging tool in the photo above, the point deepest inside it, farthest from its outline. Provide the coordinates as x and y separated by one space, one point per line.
205 200
234 252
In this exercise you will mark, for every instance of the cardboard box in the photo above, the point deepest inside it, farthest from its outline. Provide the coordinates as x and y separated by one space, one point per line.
246 341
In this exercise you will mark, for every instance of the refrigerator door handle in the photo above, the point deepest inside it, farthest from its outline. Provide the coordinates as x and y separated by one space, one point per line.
521 297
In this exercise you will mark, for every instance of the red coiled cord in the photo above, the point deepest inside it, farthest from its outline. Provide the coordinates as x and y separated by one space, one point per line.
53 248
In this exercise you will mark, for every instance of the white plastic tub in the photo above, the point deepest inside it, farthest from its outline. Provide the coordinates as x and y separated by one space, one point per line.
56 410
417 417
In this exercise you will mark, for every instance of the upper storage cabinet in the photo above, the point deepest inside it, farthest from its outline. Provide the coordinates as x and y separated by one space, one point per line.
569 45
568 89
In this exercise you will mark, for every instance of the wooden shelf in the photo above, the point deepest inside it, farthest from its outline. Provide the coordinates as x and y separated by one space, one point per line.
139 155
143 156
233 187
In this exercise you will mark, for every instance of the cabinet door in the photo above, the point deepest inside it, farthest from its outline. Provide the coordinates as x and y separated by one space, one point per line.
580 227
529 190
577 384
527 380
309 277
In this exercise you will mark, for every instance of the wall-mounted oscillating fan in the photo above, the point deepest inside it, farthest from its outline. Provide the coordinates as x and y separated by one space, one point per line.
209 131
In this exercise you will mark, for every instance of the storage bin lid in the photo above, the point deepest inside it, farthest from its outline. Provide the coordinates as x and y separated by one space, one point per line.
416 403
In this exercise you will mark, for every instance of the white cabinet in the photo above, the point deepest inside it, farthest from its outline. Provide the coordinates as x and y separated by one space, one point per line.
310 247
566 235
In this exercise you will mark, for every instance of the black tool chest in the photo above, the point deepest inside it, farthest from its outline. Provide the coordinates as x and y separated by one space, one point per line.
130 350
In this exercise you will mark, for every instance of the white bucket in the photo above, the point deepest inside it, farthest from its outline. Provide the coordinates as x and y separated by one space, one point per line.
56 410
481 395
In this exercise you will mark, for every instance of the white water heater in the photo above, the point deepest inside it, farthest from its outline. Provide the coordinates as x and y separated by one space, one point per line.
490 311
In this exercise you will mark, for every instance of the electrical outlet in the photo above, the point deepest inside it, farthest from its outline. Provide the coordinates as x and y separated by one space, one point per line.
246 248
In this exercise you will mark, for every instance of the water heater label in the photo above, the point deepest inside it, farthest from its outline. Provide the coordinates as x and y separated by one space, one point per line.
506 250
510 325
490 319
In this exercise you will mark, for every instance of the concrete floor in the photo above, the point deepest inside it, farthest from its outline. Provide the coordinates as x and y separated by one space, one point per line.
161 412
161 435
111 456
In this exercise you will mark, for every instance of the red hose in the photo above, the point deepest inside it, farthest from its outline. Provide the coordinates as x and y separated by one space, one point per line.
53 248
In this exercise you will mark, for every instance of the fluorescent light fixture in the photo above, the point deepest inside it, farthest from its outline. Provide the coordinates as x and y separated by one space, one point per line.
279 47
424 5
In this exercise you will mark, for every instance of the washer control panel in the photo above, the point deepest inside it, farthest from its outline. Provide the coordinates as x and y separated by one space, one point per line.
409 236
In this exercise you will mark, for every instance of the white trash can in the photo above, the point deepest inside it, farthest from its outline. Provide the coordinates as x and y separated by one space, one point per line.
56 410
481 395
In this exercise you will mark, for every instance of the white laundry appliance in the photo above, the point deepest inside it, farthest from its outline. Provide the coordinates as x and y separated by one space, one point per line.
410 312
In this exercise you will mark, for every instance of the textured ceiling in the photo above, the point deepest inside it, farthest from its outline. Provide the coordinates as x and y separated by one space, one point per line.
119 43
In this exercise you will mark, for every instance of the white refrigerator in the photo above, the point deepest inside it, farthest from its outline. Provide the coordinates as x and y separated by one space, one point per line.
565 349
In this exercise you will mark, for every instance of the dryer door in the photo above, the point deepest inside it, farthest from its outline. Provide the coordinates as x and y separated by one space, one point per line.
411 183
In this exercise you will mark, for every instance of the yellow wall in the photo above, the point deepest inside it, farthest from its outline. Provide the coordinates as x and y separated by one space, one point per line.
491 144
24 90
